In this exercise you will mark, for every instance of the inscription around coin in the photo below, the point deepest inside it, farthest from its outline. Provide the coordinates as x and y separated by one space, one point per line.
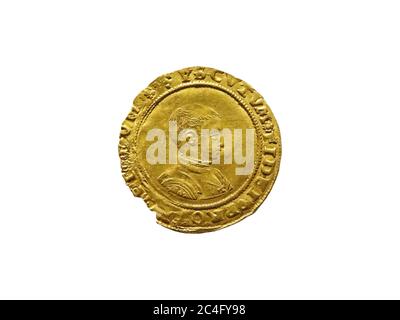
190 179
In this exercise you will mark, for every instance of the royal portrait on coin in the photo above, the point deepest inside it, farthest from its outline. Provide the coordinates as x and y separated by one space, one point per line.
201 147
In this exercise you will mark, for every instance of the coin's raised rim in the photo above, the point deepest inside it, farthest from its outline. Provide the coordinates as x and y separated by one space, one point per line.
140 187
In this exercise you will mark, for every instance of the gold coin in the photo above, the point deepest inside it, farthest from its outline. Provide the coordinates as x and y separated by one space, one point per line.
201 147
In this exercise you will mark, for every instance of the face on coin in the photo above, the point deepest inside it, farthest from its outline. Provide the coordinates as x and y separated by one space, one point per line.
201 147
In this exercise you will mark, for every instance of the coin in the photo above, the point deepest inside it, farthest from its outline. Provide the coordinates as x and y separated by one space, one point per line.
201 147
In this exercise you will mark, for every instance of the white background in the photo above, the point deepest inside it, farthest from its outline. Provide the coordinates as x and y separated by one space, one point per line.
70 228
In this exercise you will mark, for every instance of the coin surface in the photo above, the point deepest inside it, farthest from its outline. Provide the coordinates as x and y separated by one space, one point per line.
201 147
